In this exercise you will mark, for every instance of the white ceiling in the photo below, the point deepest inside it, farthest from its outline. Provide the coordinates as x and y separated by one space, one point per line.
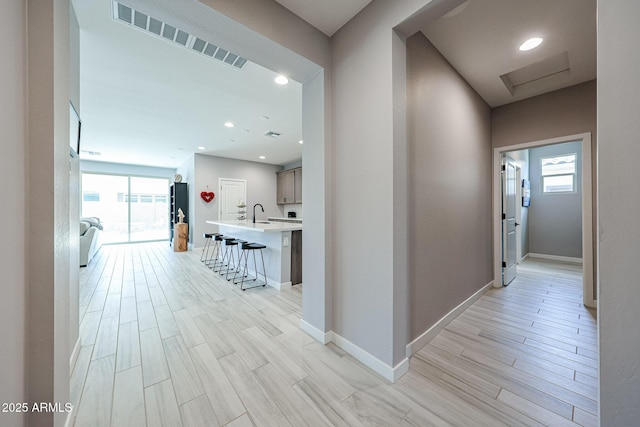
482 40
327 15
149 101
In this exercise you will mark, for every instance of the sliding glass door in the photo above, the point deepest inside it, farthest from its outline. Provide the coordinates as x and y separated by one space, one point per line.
149 209
131 208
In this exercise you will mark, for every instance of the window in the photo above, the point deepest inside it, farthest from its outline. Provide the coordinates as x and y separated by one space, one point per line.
558 174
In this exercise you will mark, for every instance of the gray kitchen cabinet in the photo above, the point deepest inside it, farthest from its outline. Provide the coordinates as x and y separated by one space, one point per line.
289 189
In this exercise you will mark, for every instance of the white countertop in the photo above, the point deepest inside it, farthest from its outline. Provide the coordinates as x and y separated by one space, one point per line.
260 226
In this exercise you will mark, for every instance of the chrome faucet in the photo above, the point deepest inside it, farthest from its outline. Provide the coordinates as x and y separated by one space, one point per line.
254 211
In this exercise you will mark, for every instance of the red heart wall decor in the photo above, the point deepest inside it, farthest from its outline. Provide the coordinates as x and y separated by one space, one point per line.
207 196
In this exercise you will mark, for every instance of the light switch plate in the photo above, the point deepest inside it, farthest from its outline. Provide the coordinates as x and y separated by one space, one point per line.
285 241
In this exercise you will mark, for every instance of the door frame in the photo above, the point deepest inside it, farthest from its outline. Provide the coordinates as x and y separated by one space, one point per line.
588 278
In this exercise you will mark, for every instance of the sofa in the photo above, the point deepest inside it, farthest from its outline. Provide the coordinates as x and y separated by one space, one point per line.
90 239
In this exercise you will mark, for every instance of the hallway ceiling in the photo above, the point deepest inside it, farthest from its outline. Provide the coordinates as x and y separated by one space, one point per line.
481 42
328 15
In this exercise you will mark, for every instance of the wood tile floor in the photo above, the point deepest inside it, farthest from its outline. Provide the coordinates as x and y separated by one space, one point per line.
168 343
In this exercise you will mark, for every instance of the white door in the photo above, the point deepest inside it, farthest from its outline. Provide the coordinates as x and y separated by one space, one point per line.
233 195
509 201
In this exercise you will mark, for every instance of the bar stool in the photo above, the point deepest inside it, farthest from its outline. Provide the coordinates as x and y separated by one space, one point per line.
214 260
207 245
227 255
246 249
231 262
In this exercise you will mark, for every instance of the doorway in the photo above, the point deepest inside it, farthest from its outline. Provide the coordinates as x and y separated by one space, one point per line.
585 177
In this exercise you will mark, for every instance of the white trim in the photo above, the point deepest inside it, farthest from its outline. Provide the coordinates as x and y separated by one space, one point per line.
572 260
389 373
279 286
587 210
317 334
414 346
74 354
70 415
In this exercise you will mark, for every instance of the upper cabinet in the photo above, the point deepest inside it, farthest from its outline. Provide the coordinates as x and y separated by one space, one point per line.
289 186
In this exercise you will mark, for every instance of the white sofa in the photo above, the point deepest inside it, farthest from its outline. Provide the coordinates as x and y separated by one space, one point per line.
90 239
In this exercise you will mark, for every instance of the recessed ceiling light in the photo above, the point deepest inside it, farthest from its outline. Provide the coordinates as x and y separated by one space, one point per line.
300 142
245 130
232 140
229 124
201 148
264 117
531 44
262 157
281 80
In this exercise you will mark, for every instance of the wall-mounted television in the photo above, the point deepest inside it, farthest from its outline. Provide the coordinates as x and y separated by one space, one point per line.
75 126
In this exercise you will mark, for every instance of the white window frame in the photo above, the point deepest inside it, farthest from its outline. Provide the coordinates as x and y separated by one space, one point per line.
573 175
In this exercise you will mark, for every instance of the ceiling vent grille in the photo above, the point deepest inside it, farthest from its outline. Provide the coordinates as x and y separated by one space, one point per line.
272 134
149 24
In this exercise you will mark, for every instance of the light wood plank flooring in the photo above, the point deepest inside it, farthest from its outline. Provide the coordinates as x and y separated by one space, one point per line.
168 343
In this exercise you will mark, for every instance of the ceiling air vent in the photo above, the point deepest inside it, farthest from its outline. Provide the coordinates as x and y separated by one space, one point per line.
539 76
149 24
272 134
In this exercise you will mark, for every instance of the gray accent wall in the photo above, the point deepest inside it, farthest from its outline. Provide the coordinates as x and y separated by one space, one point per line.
449 151
555 220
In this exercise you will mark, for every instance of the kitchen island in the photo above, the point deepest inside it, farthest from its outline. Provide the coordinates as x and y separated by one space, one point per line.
276 236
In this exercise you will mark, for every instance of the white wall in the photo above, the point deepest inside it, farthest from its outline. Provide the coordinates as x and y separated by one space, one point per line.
13 304
618 206
261 188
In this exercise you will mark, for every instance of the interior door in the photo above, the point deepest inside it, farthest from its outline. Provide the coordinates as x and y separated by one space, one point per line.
233 194
509 201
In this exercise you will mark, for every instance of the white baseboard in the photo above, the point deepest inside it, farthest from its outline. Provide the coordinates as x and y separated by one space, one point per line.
391 374
74 354
429 334
279 286
556 258
317 334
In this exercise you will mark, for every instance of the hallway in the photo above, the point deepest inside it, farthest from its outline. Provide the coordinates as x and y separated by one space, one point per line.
166 342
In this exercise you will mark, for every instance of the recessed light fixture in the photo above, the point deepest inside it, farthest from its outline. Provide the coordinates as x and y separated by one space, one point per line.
245 130
532 43
229 124
201 148
262 157
232 140
281 80
300 142
264 117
